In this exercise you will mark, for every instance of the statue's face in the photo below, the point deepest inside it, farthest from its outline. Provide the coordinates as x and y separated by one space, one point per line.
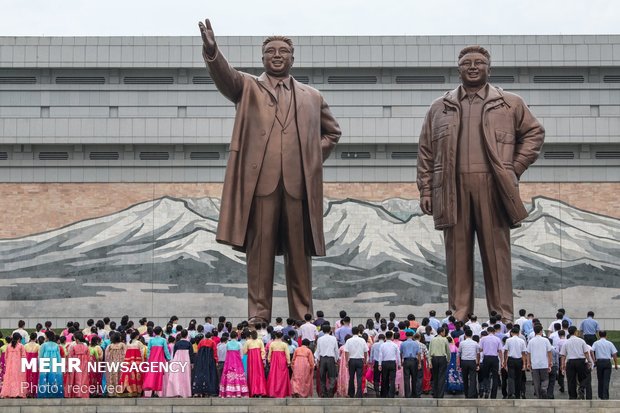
474 69
278 58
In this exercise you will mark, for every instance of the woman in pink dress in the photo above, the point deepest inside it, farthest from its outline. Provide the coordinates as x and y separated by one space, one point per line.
179 379
233 382
157 352
78 381
14 377
3 346
303 370
172 339
32 376
279 358
342 386
255 349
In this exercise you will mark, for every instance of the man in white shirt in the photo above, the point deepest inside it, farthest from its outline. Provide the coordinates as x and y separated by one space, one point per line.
558 346
374 362
432 321
474 325
356 353
326 356
555 335
522 318
574 355
278 326
308 331
604 351
540 361
389 362
585 387
514 362
208 326
447 319
469 362
558 320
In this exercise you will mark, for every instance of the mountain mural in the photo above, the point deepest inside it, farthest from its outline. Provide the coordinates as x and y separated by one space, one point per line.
372 247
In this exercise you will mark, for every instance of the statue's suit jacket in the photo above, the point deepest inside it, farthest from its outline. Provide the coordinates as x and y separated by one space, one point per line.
318 133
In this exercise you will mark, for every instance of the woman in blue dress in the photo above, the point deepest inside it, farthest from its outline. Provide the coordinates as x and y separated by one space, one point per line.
454 377
50 382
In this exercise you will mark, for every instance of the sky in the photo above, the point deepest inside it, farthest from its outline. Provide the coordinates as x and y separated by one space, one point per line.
307 18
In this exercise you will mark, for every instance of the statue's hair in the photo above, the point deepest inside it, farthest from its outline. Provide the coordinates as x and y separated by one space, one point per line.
475 49
284 39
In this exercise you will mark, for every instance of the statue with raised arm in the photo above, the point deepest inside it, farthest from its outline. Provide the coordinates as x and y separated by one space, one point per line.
476 142
272 201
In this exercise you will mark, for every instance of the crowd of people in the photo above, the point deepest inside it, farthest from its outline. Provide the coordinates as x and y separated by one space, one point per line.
302 358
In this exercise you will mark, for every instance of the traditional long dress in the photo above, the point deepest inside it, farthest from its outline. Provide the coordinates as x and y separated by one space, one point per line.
255 349
426 375
64 353
400 380
244 356
131 380
2 363
32 376
114 353
95 355
179 379
77 382
50 383
303 371
454 377
205 382
157 352
278 382
14 377
233 382
164 382
342 385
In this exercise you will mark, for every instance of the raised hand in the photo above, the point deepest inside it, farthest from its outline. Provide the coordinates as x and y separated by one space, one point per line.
208 38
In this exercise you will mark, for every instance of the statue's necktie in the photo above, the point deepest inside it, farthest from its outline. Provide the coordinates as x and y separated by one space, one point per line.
283 101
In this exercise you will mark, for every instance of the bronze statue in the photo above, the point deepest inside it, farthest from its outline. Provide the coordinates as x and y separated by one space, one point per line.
476 142
272 201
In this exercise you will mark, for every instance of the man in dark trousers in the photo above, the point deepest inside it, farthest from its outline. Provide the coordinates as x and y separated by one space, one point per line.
272 201
475 144
492 358
326 357
389 362
439 350
515 362
604 351
411 357
574 356
469 362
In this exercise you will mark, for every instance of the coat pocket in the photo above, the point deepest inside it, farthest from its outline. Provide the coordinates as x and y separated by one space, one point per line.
511 171
440 131
505 145
504 137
